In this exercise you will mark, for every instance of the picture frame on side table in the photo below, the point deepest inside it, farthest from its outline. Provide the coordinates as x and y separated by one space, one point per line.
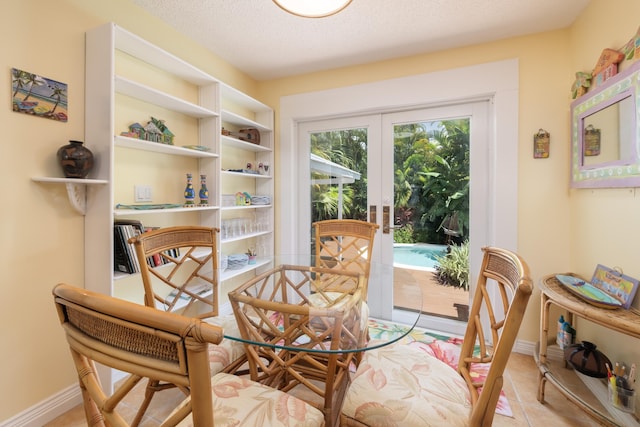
616 284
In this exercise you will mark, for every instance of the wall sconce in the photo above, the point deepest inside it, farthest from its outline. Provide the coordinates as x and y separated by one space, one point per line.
312 8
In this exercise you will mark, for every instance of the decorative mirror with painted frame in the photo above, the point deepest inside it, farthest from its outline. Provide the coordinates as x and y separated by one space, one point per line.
605 134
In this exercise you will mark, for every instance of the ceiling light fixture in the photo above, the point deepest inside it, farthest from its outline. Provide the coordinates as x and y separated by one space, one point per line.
312 8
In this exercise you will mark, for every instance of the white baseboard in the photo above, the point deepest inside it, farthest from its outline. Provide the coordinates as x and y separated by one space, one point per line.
524 347
47 410
528 348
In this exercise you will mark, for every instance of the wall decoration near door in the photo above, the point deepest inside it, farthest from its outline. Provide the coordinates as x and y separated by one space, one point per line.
541 142
39 96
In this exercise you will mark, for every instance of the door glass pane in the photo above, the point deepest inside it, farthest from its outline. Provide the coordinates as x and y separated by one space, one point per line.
339 174
431 215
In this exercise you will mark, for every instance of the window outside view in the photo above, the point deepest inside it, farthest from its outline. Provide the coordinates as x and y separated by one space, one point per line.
431 204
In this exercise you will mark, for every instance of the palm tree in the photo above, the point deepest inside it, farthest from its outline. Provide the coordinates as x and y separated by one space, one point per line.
19 78
57 94
35 80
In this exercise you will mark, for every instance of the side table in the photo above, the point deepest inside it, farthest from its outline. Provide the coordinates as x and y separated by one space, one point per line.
624 321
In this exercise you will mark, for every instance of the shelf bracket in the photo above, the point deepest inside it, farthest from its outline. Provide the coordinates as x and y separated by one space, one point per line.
77 196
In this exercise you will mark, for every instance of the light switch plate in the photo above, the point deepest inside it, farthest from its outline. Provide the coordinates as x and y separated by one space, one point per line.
142 193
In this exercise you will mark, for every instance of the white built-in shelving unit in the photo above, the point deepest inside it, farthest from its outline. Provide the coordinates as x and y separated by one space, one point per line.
128 79
117 92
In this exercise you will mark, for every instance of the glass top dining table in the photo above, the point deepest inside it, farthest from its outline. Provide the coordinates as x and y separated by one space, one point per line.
293 305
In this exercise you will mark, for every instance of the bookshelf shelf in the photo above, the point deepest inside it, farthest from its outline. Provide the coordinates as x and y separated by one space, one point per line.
139 144
161 99
243 145
241 121
230 274
129 212
246 175
240 208
245 237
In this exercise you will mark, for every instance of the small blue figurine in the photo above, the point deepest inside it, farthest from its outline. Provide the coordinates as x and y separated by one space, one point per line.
204 192
189 193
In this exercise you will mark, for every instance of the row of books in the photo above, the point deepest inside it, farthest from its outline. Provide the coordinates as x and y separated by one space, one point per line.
125 258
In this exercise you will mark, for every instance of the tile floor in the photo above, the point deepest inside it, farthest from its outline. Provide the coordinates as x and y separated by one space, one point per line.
521 385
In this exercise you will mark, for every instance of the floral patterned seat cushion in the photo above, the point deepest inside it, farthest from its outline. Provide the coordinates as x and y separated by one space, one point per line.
228 351
403 386
238 401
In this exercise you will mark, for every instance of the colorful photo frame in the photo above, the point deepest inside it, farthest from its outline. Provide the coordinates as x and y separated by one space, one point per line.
619 286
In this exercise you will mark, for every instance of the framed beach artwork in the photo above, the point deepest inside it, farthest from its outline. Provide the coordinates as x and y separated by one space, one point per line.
39 96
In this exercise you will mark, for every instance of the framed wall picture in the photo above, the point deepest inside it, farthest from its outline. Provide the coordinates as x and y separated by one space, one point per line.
541 142
39 96
619 286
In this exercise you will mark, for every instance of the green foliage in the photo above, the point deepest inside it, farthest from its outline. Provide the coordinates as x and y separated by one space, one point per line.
349 149
453 268
431 177
403 234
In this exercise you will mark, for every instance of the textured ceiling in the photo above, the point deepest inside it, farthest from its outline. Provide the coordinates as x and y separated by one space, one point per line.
261 39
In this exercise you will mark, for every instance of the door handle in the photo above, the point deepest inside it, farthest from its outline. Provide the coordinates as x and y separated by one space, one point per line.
386 213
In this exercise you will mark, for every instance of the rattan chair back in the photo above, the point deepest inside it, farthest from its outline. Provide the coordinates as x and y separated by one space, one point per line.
141 341
344 244
178 266
501 296
287 317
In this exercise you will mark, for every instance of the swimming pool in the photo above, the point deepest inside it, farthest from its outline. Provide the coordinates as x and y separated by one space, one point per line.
417 255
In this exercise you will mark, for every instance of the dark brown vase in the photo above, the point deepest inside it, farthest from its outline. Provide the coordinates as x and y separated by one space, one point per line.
75 159
585 359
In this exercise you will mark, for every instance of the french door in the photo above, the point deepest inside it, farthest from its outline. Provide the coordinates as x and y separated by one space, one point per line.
359 167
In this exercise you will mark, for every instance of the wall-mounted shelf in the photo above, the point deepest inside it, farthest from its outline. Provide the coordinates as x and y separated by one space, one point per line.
76 189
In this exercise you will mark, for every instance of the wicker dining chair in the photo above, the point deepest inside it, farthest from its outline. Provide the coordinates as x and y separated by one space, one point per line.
344 244
179 270
402 385
145 342
291 341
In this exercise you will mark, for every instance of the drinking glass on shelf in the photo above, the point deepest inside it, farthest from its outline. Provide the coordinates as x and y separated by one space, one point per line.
233 228
224 229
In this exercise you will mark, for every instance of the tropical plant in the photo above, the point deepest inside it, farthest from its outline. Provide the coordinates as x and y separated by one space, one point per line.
347 148
453 267
403 234
432 176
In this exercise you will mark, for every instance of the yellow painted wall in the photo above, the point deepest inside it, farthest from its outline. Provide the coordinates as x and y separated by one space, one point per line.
42 237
